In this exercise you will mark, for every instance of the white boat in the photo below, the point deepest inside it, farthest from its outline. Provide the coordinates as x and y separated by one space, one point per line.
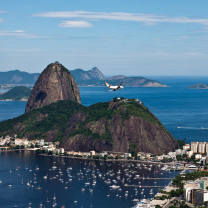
28 183
54 198
115 187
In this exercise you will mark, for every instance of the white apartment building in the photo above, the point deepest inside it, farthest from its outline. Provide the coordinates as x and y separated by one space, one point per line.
189 153
188 186
201 147
198 156
21 142
61 150
126 155
194 147
92 153
186 147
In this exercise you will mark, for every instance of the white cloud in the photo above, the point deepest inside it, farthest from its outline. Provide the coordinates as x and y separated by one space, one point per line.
19 34
149 19
1 11
75 24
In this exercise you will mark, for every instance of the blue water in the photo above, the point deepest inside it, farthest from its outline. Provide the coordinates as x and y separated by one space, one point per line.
175 106
67 192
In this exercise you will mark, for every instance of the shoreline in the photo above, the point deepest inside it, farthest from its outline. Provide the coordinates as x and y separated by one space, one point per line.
84 158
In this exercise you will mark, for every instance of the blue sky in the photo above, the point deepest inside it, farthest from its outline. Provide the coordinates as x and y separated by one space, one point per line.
134 37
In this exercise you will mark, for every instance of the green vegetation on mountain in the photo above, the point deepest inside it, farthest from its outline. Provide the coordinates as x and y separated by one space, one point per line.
43 119
124 125
16 93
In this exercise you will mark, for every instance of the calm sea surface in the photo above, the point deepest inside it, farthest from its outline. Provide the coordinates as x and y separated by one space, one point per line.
19 167
183 111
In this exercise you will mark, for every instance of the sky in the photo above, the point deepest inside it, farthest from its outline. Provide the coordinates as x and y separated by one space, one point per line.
120 37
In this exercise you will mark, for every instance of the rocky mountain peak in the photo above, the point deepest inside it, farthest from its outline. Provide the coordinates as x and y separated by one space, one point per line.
96 73
54 83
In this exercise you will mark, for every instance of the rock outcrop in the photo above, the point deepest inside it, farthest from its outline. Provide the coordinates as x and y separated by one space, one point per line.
55 83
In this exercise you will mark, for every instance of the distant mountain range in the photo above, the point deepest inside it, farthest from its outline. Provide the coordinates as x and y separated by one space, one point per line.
18 77
93 77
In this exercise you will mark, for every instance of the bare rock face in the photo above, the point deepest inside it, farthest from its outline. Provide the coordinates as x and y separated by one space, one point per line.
55 83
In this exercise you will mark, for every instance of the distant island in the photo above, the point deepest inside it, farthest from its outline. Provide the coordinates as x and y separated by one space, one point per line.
93 77
198 86
20 93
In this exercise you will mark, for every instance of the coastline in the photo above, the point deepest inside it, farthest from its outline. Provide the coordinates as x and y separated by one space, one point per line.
85 158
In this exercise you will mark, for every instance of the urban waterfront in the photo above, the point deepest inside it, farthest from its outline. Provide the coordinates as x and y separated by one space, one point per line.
70 176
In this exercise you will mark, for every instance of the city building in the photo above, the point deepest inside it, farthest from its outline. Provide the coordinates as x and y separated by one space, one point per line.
189 153
188 186
126 155
198 156
206 147
201 147
178 151
199 196
186 147
202 184
92 153
61 150
21 142
194 147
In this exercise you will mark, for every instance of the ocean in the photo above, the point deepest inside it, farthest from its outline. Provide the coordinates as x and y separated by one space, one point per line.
183 111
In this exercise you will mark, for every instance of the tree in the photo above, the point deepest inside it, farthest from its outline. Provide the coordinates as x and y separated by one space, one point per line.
50 152
115 99
38 151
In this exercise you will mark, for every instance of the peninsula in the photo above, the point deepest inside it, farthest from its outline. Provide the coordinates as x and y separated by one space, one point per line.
20 93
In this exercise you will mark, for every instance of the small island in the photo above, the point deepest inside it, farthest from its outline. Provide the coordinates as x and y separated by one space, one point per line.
198 86
19 93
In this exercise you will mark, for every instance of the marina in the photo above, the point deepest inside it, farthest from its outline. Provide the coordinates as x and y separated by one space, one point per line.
76 182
